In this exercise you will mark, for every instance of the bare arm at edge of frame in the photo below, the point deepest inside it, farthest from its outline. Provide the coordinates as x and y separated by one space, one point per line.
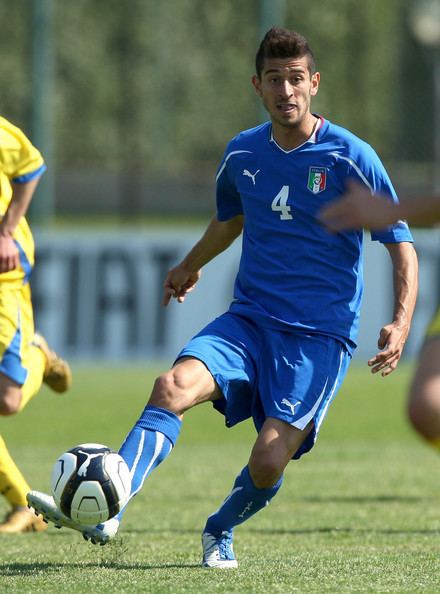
357 208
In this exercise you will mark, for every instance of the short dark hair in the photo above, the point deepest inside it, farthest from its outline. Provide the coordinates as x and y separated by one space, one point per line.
283 43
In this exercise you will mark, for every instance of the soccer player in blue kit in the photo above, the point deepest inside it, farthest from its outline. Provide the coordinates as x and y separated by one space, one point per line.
280 353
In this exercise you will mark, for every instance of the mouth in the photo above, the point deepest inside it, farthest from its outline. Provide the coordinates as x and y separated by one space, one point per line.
286 108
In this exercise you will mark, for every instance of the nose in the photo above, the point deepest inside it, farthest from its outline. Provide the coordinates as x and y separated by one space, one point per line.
286 89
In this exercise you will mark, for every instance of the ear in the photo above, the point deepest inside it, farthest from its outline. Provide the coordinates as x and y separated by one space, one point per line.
314 83
257 84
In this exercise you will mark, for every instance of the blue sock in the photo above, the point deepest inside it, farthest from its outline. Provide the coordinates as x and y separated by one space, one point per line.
243 502
148 444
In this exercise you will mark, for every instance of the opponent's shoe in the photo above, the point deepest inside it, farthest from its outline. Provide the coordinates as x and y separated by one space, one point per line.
45 505
57 373
21 519
218 550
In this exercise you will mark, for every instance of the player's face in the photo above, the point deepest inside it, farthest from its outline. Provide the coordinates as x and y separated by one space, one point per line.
286 88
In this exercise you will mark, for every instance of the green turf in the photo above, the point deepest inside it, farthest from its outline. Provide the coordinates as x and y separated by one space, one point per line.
361 513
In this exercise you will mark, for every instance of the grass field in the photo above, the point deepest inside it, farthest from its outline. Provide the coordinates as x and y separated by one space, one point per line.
361 513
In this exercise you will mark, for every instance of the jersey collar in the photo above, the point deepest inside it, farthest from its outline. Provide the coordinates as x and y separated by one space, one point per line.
313 138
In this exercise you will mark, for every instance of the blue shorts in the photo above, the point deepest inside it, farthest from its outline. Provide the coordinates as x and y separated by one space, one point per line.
291 376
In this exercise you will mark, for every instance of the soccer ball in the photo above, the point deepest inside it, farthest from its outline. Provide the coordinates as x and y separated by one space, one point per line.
90 483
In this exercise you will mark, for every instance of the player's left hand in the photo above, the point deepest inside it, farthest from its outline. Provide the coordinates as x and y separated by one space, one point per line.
391 341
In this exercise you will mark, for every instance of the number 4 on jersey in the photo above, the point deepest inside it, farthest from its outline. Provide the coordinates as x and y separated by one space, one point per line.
279 204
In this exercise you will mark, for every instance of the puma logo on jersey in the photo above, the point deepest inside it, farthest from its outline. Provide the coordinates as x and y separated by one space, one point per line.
247 173
290 405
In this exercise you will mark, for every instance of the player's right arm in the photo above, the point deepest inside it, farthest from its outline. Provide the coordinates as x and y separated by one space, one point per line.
22 165
217 238
21 197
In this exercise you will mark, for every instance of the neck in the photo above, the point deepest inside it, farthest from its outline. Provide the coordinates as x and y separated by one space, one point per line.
290 137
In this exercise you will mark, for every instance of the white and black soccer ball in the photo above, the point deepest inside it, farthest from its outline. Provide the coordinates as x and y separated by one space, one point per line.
90 483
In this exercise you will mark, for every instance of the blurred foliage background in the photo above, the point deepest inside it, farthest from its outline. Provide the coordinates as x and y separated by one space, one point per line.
146 94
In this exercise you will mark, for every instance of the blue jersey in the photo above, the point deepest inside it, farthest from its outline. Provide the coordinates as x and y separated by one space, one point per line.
293 274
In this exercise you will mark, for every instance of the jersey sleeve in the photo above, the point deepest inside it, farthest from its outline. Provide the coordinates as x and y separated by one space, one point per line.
368 169
20 161
227 196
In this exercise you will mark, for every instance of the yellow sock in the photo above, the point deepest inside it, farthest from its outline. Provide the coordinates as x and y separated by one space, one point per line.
12 483
36 365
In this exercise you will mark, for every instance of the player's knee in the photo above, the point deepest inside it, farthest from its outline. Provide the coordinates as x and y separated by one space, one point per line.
265 468
9 403
413 414
424 416
163 392
169 392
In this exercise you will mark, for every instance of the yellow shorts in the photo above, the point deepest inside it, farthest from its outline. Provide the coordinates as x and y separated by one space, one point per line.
434 326
16 329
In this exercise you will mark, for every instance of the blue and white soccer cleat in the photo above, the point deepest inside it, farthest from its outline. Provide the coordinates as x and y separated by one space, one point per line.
45 505
218 550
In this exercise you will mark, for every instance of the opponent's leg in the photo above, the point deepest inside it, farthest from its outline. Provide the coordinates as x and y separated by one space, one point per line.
22 369
14 487
13 398
424 397
253 489
149 442
25 362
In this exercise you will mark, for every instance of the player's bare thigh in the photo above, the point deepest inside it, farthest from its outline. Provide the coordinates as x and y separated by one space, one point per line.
185 385
424 397
10 396
276 443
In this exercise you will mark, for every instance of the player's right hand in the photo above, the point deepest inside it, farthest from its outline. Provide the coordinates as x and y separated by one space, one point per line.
178 283
9 256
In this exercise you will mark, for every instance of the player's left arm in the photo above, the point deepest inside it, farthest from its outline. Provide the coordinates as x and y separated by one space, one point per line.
393 336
